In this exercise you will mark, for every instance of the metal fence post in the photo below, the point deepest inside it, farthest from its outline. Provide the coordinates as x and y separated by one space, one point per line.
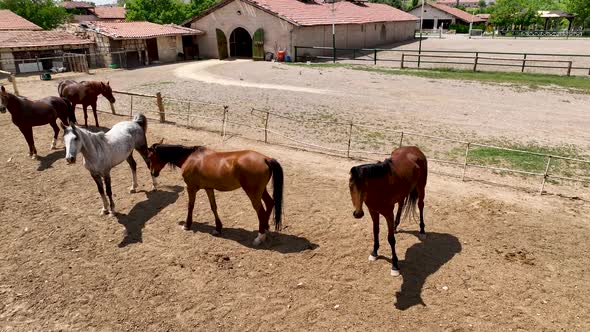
465 162
401 140
334 54
402 64
14 87
131 109
161 109
545 175
419 58
266 127
188 114
569 68
349 140
476 58
523 63
225 108
375 58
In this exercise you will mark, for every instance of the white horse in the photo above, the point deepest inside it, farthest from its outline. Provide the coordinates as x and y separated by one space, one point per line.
103 151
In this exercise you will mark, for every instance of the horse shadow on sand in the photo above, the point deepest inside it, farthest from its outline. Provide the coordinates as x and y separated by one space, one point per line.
275 241
145 210
46 162
422 260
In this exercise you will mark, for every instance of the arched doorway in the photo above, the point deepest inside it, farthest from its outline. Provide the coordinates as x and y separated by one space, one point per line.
240 43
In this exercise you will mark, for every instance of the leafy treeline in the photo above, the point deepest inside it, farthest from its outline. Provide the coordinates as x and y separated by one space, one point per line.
165 11
44 13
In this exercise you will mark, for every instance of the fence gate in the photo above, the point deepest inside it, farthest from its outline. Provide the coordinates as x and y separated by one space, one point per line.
76 62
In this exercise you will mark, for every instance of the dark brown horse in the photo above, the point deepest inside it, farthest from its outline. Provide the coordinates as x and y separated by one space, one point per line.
203 168
27 114
86 94
399 180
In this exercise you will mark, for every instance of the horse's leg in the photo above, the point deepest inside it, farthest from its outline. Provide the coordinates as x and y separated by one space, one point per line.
133 166
256 199
28 133
143 152
94 112
375 218
269 204
398 216
218 226
98 179
56 133
192 193
85 108
391 240
107 182
421 208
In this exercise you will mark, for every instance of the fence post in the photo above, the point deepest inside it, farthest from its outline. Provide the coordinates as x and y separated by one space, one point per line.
225 108
161 109
295 55
37 61
188 114
523 63
569 68
402 64
13 81
375 59
419 58
334 54
465 162
131 111
266 127
401 140
349 140
476 58
545 175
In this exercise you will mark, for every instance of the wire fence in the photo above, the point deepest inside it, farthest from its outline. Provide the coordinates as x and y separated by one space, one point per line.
325 134
568 64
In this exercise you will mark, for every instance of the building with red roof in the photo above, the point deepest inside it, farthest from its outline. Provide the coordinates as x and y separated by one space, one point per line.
437 15
251 28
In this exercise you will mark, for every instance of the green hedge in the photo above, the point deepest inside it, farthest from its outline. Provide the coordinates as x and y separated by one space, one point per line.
464 28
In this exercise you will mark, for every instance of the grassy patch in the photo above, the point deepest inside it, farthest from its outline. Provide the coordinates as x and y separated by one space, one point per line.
574 83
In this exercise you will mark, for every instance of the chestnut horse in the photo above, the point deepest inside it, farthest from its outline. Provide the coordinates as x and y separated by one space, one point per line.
203 168
85 93
27 114
399 180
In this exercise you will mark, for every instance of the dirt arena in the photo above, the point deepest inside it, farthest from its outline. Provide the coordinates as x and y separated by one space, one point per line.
494 257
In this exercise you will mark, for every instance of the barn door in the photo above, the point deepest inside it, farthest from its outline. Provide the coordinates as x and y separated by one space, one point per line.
221 44
258 45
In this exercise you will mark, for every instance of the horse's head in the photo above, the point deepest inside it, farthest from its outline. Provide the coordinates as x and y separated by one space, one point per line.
357 185
107 92
3 99
72 142
156 163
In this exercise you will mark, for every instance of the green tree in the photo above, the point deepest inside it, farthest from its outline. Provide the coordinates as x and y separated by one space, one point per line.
198 6
582 9
482 4
44 13
158 11
520 13
394 3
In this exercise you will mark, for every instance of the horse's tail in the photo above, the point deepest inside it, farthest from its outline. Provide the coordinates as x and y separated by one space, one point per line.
277 195
70 110
410 204
141 121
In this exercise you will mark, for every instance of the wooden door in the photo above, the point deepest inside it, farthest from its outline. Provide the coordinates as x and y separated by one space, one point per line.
152 50
221 44
258 45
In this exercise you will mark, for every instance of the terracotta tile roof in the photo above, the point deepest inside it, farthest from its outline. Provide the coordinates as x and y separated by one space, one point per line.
76 4
140 30
458 13
84 18
11 21
14 39
109 12
318 12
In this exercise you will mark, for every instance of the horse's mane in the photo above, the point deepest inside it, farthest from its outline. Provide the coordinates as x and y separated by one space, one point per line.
171 153
370 171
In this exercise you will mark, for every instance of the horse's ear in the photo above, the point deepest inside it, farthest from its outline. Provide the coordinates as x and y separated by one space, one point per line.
108 83
61 124
161 141
2 88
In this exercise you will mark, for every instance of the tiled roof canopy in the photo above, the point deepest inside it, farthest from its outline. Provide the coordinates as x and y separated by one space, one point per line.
318 12
458 13
140 30
109 12
18 39
11 21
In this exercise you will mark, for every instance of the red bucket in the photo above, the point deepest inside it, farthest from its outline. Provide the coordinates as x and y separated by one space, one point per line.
281 56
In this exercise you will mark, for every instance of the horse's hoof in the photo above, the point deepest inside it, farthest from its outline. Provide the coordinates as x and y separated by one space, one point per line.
372 258
394 273
259 239
422 236
154 188
184 227
104 211
132 190
34 157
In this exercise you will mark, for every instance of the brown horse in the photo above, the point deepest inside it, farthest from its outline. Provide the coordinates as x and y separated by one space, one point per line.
27 114
400 180
203 168
85 93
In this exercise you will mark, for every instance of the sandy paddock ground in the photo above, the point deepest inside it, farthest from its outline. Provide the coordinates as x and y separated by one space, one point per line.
494 256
